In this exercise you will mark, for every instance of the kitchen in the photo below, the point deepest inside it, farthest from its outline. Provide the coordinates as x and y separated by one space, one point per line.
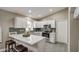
47 31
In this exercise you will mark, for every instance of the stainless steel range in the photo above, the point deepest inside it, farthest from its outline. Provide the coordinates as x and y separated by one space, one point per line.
46 31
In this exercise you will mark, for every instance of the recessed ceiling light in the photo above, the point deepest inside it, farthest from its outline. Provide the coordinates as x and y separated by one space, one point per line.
30 11
50 10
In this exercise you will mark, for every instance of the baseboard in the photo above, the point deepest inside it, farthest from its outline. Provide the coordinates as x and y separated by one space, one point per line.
61 42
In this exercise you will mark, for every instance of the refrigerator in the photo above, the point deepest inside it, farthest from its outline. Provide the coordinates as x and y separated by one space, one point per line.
61 31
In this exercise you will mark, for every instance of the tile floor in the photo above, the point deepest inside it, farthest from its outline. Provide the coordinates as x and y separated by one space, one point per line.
58 47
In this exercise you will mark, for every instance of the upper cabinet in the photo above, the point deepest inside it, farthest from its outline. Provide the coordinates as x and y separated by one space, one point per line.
52 22
40 24
20 22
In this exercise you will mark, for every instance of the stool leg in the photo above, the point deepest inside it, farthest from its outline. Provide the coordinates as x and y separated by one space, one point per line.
5 47
15 44
8 48
12 47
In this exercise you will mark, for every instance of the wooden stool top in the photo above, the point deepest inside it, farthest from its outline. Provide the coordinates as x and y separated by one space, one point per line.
9 42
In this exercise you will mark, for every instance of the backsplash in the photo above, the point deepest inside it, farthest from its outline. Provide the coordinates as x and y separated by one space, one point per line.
18 30
22 30
42 29
37 29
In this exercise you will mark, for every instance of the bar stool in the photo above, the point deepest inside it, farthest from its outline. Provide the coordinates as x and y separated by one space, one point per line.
20 48
10 44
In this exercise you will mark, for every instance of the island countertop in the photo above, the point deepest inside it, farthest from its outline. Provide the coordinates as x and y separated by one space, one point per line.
29 40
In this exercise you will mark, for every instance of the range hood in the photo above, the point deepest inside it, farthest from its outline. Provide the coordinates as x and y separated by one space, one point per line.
76 13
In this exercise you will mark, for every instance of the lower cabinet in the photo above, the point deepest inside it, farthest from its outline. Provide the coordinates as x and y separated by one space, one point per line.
37 33
52 38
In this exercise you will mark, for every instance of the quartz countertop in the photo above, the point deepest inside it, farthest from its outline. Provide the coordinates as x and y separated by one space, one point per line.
32 39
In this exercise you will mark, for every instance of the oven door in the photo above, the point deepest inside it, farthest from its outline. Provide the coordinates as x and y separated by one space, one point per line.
45 34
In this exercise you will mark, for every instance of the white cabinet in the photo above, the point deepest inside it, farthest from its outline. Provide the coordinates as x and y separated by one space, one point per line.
20 22
40 24
52 38
52 22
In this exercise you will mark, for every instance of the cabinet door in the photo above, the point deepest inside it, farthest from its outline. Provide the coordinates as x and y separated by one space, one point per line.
52 22
24 23
41 24
52 37
38 24
35 24
20 22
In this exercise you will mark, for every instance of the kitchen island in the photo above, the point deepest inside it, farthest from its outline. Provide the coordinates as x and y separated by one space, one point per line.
33 42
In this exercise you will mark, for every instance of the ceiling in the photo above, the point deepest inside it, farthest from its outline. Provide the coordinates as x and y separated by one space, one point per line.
34 12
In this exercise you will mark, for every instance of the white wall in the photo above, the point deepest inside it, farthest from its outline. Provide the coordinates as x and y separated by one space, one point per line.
74 33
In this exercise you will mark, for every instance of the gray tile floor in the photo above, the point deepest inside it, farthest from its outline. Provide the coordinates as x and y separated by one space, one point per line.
58 47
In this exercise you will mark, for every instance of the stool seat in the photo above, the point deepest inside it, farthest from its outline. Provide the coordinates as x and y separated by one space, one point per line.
21 48
9 42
